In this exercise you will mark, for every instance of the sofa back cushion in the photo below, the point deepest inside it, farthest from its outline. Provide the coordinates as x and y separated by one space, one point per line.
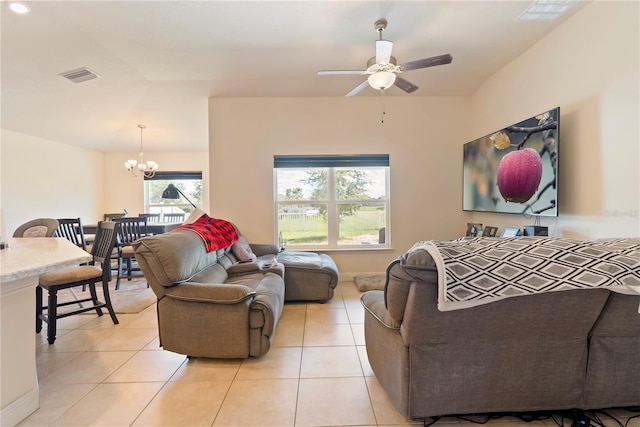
174 257
215 273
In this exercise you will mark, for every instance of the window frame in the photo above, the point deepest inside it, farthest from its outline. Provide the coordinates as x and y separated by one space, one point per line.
334 163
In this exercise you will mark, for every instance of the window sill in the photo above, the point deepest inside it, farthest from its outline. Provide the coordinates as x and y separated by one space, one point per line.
351 249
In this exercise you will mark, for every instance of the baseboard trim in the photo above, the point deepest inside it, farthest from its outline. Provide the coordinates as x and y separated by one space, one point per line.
20 408
350 277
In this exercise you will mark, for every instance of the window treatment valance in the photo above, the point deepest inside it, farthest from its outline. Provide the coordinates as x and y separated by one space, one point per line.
169 175
323 161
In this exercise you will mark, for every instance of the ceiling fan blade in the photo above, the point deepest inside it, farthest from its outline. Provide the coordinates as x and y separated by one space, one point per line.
405 85
332 72
426 62
383 51
358 88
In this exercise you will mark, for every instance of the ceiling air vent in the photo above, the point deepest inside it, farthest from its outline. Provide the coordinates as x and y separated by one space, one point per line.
79 75
546 10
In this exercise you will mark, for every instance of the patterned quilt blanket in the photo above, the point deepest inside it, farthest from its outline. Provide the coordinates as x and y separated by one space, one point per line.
215 233
475 271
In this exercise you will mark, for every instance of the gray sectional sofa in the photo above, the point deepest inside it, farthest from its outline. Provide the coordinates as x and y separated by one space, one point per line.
212 305
550 351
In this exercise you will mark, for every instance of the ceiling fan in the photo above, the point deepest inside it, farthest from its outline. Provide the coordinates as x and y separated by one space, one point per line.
382 68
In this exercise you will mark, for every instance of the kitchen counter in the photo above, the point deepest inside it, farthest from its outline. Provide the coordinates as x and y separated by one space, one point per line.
20 265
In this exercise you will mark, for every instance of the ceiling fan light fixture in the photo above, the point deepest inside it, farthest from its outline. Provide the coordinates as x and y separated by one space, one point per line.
382 80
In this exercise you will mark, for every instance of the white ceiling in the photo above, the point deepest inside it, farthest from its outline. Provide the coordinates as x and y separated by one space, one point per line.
160 61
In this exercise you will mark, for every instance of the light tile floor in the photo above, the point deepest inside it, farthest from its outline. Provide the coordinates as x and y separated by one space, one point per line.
316 374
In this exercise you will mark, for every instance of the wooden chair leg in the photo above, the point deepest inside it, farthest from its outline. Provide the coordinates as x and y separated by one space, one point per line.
94 297
52 315
129 268
119 273
38 309
107 301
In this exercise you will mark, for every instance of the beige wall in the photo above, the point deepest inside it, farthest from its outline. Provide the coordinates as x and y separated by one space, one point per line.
422 136
589 66
76 182
43 178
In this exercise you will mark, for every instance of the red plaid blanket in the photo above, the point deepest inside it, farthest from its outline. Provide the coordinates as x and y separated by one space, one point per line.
215 233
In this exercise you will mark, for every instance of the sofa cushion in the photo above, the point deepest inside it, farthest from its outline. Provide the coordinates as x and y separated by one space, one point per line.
215 273
242 250
174 257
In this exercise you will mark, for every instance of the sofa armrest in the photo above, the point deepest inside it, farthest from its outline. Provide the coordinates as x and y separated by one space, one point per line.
416 266
265 312
212 293
373 302
261 249
265 263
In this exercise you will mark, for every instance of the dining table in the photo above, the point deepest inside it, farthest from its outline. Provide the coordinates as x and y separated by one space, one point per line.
152 227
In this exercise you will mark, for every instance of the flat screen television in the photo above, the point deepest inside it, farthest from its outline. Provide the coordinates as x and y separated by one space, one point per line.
515 169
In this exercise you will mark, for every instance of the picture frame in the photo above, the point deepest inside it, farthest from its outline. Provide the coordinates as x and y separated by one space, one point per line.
510 232
472 229
489 231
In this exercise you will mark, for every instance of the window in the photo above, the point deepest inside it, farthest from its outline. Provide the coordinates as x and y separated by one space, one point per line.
332 202
190 183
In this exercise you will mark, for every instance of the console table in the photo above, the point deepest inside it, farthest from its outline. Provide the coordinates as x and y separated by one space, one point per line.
20 265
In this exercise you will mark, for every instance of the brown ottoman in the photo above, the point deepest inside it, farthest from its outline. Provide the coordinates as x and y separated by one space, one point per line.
308 276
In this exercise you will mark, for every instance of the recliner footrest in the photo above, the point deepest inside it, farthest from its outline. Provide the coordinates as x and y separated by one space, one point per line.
308 276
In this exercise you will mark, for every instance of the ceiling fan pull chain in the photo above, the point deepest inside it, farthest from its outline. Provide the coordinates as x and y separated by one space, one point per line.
382 106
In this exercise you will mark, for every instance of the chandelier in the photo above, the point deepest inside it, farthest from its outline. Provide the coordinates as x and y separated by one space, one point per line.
148 168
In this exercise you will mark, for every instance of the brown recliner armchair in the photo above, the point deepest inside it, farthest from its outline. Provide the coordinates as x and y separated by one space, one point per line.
209 303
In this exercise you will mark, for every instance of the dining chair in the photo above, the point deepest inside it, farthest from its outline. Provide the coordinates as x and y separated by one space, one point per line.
39 227
71 229
131 229
70 277
151 217
173 217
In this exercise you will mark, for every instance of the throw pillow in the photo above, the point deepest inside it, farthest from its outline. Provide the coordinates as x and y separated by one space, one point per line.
35 231
242 250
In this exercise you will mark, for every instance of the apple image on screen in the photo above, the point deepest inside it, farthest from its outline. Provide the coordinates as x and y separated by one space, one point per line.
519 174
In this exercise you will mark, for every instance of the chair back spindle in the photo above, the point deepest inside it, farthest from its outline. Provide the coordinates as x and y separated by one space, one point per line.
151 217
174 217
71 229
131 229
106 237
